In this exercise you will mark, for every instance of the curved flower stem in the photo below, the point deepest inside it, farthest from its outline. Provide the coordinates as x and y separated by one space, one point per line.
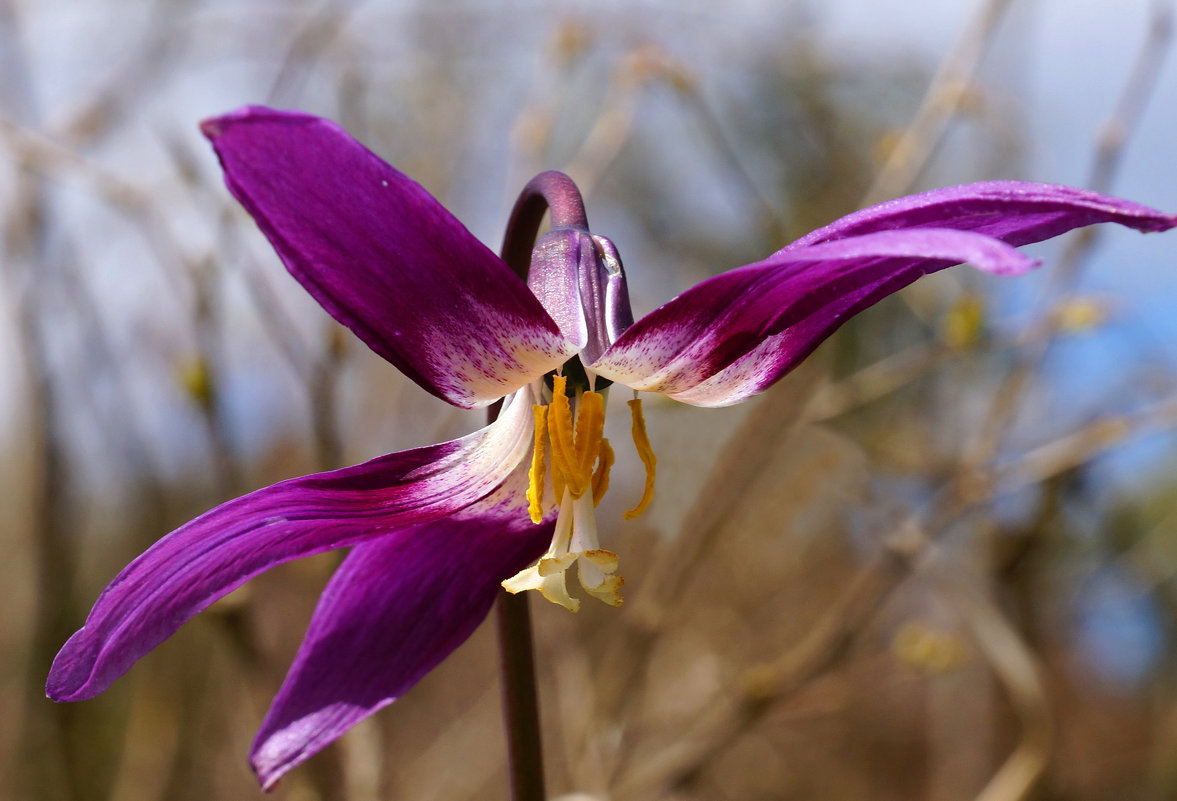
549 190
556 192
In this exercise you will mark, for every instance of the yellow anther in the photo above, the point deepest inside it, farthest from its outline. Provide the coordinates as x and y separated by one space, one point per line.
581 459
646 453
560 430
535 476
590 423
601 475
558 480
575 452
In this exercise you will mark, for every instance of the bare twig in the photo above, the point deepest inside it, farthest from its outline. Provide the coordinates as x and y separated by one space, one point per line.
947 91
614 124
767 686
773 221
1084 444
147 62
1016 667
1113 138
763 432
307 46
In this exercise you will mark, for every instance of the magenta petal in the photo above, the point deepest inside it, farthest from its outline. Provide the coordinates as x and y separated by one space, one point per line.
737 333
1015 212
385 258
200 562
393 610
776 355
733 335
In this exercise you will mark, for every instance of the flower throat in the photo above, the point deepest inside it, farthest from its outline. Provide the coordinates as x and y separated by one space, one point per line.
571 453
578 278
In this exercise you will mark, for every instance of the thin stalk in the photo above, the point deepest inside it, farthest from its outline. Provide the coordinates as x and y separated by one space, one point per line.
520 698
554 192
525 761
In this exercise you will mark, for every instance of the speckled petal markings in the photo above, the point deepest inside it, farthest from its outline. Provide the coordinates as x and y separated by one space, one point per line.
219 551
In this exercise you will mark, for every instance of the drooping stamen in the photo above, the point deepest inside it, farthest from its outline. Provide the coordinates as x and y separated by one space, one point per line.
646 453
601 474
535 475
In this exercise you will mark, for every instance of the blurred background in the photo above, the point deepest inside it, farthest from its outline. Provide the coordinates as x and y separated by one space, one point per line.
936 562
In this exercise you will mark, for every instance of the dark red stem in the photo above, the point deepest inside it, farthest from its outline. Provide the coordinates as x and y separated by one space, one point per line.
554 192
549 191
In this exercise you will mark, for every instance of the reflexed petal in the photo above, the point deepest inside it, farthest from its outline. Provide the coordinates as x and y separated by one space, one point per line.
746 327
1015 212
395 608
723 340
780 353
385 258
207 558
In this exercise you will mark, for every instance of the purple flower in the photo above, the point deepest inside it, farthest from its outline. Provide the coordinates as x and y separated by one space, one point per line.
435 531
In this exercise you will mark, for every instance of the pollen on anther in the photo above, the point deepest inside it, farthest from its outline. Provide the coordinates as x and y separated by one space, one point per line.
560 430
535 476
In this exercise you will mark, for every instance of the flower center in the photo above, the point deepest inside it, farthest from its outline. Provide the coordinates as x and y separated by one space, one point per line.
580 461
